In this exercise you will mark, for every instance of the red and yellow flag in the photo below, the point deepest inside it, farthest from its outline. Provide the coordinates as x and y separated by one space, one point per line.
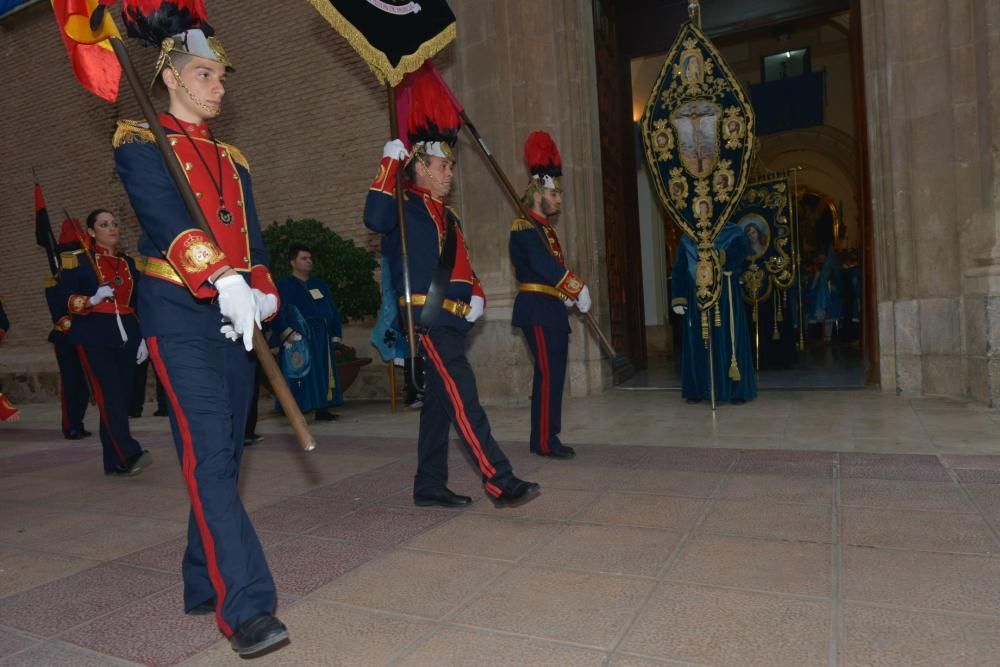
94 62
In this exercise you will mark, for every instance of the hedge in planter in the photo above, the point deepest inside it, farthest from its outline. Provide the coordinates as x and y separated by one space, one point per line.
346 268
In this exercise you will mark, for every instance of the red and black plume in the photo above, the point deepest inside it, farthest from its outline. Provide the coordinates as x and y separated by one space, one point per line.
542 155
152 21
433 116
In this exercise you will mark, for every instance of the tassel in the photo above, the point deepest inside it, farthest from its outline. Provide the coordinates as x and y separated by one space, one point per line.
718 315
734 370
704 325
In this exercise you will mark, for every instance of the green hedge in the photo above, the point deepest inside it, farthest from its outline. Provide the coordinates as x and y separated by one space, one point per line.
346 268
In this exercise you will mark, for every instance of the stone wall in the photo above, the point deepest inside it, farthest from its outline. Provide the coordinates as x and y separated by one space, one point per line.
312 119
931 75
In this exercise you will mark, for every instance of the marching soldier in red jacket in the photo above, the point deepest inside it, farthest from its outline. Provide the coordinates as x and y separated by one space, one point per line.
547 289
199 301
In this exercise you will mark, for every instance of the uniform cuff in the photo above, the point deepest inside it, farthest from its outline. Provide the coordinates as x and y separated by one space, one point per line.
195 258
570 285
679 301
260 279
385 179
78 304
64 323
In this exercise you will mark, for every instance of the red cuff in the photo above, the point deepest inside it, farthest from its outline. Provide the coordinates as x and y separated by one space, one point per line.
64 323
195 258
477 290
78 304
570 285
260 279
385 179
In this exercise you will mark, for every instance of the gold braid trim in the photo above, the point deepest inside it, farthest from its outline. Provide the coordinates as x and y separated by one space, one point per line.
376 60
237 155
131 132
521 225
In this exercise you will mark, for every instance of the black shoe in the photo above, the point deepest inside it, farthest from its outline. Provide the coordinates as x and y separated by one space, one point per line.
326 416
204 609
74 434
85 433
692 401
258 634
443 498
133 466
737 401
252 439
517 492
135 415
161 412
565 452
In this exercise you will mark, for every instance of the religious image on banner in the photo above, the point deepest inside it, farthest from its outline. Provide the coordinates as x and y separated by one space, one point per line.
766 216
698 135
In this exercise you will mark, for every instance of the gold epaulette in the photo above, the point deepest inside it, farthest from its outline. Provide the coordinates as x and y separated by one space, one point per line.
50 281
140 263
70 259
237 155
131 132
520 224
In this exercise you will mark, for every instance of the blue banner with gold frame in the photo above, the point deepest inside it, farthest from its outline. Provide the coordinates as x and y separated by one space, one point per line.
698 133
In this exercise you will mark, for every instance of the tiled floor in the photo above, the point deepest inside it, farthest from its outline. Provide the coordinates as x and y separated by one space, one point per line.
812 528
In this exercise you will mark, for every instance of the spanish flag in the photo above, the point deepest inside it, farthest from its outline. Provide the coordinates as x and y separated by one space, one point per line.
90 52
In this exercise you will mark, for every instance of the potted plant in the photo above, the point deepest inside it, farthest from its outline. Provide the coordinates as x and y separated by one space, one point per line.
346 268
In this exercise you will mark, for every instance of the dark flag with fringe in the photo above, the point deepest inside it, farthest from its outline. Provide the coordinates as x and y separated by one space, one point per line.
43 230
394 37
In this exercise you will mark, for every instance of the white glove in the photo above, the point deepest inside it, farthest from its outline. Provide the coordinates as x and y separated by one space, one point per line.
478 307
229 332
680 310
395 149
293 337
142 353
236 303
583 301
103 292
267 304
569 303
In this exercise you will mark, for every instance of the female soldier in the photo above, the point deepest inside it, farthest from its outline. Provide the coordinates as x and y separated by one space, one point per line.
99 284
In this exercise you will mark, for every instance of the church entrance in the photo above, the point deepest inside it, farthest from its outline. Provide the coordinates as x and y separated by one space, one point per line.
799 63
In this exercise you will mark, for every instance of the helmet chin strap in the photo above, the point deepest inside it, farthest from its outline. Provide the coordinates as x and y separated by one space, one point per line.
430 174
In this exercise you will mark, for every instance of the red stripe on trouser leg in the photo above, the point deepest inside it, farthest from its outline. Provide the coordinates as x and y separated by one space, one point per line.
493 489
456 401
99 398
546 389
189 463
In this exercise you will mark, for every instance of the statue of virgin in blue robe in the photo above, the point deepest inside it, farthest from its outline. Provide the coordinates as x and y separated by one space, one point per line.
695 386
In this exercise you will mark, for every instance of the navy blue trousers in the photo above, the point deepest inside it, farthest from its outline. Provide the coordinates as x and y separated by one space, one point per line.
208 384
550 349
73 390
451 398
110 371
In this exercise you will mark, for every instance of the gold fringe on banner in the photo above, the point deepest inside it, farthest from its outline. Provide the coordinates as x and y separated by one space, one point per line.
379 64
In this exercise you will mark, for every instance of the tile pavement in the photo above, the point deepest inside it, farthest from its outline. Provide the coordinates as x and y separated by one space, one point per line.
685 548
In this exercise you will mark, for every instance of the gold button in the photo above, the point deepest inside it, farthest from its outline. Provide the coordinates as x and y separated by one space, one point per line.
236 176
188 166
246 259
173 142
243 229
239 202
224 154
198 195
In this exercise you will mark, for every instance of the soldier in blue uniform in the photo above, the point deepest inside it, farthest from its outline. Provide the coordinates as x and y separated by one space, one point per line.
439 268
733 333
74 394
98 284
546 289
8 413
199 301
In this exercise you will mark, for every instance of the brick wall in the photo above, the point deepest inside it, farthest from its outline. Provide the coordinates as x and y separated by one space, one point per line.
302 106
